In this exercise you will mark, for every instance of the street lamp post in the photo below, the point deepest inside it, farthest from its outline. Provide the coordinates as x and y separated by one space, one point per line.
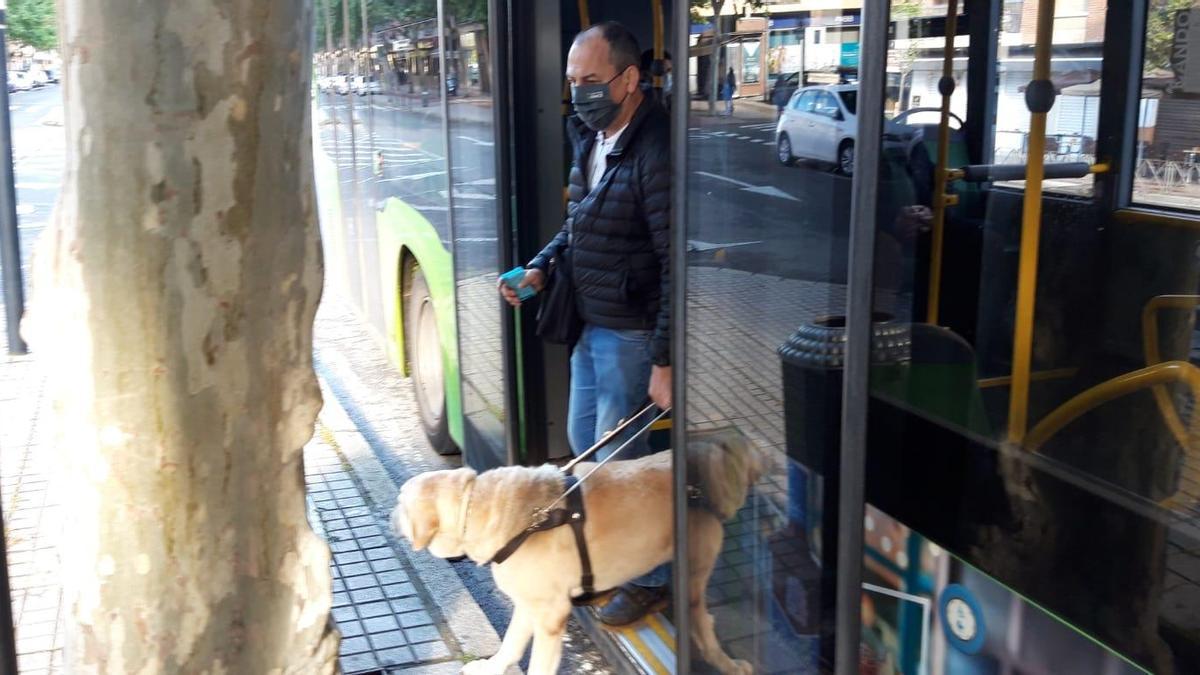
10 243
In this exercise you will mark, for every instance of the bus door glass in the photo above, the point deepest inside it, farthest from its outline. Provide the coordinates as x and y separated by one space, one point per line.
1032 448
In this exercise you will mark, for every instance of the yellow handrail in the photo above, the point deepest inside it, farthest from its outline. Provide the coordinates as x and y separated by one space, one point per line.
658 39
585 23
1089 399
940 202
1038 376
1031 216
1153 357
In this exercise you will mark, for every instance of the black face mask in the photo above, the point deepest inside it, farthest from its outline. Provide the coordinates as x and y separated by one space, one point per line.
595 105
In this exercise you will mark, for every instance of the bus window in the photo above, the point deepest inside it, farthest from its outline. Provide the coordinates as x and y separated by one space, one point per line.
1168 135
1075 71
1031 443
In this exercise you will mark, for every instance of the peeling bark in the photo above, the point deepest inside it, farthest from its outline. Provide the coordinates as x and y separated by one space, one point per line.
174 301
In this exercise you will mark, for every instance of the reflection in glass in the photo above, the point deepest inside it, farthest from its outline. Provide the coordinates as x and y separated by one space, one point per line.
1067 538
1168 137
476 228
767 225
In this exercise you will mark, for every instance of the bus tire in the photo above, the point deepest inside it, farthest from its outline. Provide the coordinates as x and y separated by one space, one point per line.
424 351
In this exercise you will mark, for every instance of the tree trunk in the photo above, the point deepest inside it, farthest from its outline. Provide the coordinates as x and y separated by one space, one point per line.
715 62
366 28
328 28
175 297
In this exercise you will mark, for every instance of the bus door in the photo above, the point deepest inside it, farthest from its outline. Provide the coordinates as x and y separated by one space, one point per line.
1027 367
1030 447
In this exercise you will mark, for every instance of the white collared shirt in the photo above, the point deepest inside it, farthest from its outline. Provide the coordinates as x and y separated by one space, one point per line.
598 162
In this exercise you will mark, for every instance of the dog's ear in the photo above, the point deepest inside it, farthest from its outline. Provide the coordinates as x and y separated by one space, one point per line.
423 518
415 517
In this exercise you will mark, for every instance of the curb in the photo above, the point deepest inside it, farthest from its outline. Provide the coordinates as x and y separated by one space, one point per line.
464 619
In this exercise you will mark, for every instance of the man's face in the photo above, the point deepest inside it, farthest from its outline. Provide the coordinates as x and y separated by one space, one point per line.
588 63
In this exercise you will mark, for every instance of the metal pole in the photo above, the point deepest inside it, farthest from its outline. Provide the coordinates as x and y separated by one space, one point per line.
852 495
680 111
10 241
8 643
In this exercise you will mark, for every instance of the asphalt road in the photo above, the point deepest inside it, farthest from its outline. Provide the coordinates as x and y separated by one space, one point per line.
38 153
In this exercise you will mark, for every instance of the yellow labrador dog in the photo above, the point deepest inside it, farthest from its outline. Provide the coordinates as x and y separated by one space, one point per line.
628 529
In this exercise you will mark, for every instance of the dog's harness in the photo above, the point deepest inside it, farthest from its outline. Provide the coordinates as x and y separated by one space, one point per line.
574 515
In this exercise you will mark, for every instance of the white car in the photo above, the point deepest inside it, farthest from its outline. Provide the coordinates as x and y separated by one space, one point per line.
19 81
820 123
364 85
38 78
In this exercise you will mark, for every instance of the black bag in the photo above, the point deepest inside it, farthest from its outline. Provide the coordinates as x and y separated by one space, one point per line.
558 318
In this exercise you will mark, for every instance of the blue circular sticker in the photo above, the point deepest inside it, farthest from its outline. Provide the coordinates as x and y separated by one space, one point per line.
962 619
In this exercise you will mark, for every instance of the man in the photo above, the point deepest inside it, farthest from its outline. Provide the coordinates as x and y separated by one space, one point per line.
618 233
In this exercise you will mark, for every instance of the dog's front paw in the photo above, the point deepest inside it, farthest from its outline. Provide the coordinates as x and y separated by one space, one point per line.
740 667
482 667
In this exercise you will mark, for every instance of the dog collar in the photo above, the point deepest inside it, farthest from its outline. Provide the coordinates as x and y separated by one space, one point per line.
464 512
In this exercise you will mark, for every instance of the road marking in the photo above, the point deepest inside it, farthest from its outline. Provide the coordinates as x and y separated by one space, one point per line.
467 195
743 138
771 191
419 176
476 141
725 178
697 245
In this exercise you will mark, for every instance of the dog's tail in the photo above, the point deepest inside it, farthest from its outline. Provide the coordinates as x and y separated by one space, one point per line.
722 465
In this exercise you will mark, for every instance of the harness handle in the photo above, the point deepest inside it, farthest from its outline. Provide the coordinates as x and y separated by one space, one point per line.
606 460
608 436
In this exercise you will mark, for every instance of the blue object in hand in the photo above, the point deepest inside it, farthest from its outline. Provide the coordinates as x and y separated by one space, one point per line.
512 279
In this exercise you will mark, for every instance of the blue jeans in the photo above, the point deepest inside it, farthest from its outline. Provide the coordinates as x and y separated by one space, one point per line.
610 375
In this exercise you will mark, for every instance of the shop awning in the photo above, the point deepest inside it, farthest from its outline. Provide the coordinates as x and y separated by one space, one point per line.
704 46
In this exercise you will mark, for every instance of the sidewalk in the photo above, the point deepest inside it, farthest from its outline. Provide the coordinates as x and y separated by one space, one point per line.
398 612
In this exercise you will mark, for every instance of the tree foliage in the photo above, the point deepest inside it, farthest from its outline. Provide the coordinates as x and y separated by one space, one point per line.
384 13
33 23
1160 30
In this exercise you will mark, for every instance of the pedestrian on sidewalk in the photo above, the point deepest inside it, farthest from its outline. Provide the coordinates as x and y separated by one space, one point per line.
727 90
616 239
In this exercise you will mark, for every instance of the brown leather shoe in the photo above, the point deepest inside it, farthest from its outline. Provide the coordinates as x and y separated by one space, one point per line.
630 603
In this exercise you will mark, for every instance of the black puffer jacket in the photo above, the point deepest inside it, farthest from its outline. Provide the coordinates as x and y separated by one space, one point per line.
619 234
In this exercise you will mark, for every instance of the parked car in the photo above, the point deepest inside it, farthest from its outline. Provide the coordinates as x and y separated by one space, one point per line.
365 84
18 81
820 123
341 85
37 78
52 75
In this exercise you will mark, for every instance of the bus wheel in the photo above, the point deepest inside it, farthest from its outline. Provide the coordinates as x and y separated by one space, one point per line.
424 349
